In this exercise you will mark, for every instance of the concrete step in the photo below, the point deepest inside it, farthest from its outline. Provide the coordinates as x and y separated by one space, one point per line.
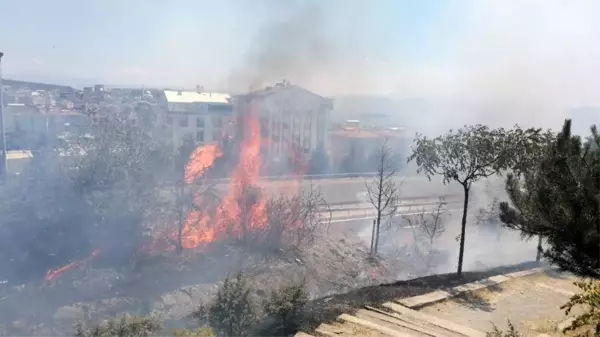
404 326
345 329
377 327
435 323
302 334
422 327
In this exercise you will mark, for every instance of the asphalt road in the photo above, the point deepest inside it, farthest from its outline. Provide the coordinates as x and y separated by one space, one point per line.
353 190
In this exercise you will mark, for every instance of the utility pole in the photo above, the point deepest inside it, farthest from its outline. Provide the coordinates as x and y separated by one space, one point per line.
4 154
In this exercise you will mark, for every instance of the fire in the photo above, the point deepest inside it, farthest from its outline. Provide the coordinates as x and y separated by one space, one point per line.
244 207
200 160
233 214
55 274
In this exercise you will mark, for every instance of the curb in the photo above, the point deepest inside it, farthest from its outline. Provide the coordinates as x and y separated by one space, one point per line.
420 301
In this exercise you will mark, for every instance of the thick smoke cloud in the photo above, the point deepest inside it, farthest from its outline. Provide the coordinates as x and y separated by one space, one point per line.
496 63
292 45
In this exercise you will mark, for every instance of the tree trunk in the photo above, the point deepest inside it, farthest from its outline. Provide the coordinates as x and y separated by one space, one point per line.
180 219
373 238
377 233
538 256
463 226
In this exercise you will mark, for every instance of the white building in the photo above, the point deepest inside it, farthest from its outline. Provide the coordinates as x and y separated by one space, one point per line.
201 116
293 119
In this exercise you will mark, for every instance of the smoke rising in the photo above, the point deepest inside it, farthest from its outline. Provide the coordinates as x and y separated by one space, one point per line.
292 45
488 244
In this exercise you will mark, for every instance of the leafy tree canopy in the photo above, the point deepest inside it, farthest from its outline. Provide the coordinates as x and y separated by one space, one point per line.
476 151
560 200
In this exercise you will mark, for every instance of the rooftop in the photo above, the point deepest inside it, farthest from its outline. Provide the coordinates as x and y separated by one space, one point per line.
350 132
174 96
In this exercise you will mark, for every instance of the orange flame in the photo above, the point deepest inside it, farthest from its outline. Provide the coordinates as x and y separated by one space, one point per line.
200 228
57 273
244 207
200 160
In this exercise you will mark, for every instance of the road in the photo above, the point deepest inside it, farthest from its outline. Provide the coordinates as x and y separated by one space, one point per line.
353 190
353 222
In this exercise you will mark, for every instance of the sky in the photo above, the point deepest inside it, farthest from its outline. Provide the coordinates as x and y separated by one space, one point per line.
529 52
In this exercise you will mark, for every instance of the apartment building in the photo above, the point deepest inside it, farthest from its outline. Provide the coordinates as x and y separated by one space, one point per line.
201 116
293 119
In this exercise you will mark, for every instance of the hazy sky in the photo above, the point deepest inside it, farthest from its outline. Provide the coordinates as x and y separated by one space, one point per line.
522 50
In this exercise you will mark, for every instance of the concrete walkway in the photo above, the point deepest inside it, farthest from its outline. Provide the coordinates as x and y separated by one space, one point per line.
530 299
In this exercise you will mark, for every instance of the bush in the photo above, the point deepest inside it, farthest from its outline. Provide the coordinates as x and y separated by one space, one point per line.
588 322
201 332
232 312
512 332
285 305
126 326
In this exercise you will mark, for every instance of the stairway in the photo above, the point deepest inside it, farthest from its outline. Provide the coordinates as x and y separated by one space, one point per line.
393 320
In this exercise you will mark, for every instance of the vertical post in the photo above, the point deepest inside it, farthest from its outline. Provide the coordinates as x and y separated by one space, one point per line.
373 238
377 224
4 154
538 256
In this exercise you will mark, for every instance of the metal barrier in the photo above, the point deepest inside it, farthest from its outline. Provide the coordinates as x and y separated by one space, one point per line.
312 176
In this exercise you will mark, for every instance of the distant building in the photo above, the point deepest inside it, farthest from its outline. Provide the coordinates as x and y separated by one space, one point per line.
356 150
88 92
294 120
201 116
26 129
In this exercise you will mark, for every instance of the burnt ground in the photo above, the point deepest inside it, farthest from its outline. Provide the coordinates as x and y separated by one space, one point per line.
326 309
170 287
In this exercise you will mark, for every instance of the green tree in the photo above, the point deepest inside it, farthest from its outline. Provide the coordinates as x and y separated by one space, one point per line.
285 305
560 201
233 311
472 153
126 326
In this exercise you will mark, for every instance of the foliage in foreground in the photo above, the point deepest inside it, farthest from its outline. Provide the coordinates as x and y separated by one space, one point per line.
589 298
200 332
126 326
235 312
285 305
137 326
511 332
560 201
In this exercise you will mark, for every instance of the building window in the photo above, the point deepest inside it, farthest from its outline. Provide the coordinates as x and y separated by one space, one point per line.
183 122
200 122
216 134
216 121
200 136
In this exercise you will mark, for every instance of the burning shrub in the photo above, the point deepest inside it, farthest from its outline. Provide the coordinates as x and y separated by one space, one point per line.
42 216
291 220
82 196
232 312
285 305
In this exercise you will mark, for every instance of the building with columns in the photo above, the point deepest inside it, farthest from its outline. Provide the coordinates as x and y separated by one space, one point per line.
293 121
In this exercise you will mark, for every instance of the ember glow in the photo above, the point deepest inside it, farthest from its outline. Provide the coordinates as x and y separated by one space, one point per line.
53 275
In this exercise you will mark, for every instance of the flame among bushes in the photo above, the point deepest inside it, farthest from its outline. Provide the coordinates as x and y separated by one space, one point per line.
244 211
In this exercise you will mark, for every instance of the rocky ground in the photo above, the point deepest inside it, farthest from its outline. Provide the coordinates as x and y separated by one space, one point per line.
171 286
